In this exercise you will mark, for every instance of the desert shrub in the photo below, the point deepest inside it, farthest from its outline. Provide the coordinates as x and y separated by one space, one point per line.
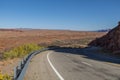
5 77
21 51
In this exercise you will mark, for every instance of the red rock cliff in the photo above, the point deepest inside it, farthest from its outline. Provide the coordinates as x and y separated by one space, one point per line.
110 41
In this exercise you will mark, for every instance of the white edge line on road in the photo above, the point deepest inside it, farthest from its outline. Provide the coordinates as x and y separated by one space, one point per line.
58 74
87 63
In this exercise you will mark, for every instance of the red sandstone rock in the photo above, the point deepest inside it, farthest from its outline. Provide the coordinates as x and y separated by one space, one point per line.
110 41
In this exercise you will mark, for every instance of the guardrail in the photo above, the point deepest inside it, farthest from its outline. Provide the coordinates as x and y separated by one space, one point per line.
19 71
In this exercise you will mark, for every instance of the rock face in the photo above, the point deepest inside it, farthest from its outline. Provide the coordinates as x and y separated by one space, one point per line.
110 41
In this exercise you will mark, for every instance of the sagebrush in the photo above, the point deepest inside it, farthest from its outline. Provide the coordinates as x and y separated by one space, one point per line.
5 77
21 51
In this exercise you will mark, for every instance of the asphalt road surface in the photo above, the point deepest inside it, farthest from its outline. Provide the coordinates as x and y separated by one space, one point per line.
72 64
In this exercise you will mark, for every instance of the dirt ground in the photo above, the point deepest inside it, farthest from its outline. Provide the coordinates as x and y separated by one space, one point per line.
7 66
12 38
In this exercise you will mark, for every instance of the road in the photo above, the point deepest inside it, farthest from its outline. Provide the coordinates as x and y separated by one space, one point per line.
71 64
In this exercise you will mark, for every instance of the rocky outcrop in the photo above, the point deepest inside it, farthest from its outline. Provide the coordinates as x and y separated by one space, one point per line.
110 41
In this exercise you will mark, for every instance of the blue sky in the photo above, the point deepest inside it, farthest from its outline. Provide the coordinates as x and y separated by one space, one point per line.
59 14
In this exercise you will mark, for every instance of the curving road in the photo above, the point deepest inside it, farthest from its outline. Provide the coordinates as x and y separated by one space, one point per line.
72 64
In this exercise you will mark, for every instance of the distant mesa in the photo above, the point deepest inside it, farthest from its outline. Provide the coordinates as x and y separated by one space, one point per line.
17 29
24 29
103 30
11 30
110 41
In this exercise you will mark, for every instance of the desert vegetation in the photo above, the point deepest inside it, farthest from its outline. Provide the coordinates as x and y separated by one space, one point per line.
5 77
17 52
20 51
10 39
74 43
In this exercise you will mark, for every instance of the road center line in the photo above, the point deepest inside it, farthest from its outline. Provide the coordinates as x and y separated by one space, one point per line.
87 63
58 74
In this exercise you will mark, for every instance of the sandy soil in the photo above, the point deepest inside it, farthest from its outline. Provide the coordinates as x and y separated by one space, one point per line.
9 39
7 66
